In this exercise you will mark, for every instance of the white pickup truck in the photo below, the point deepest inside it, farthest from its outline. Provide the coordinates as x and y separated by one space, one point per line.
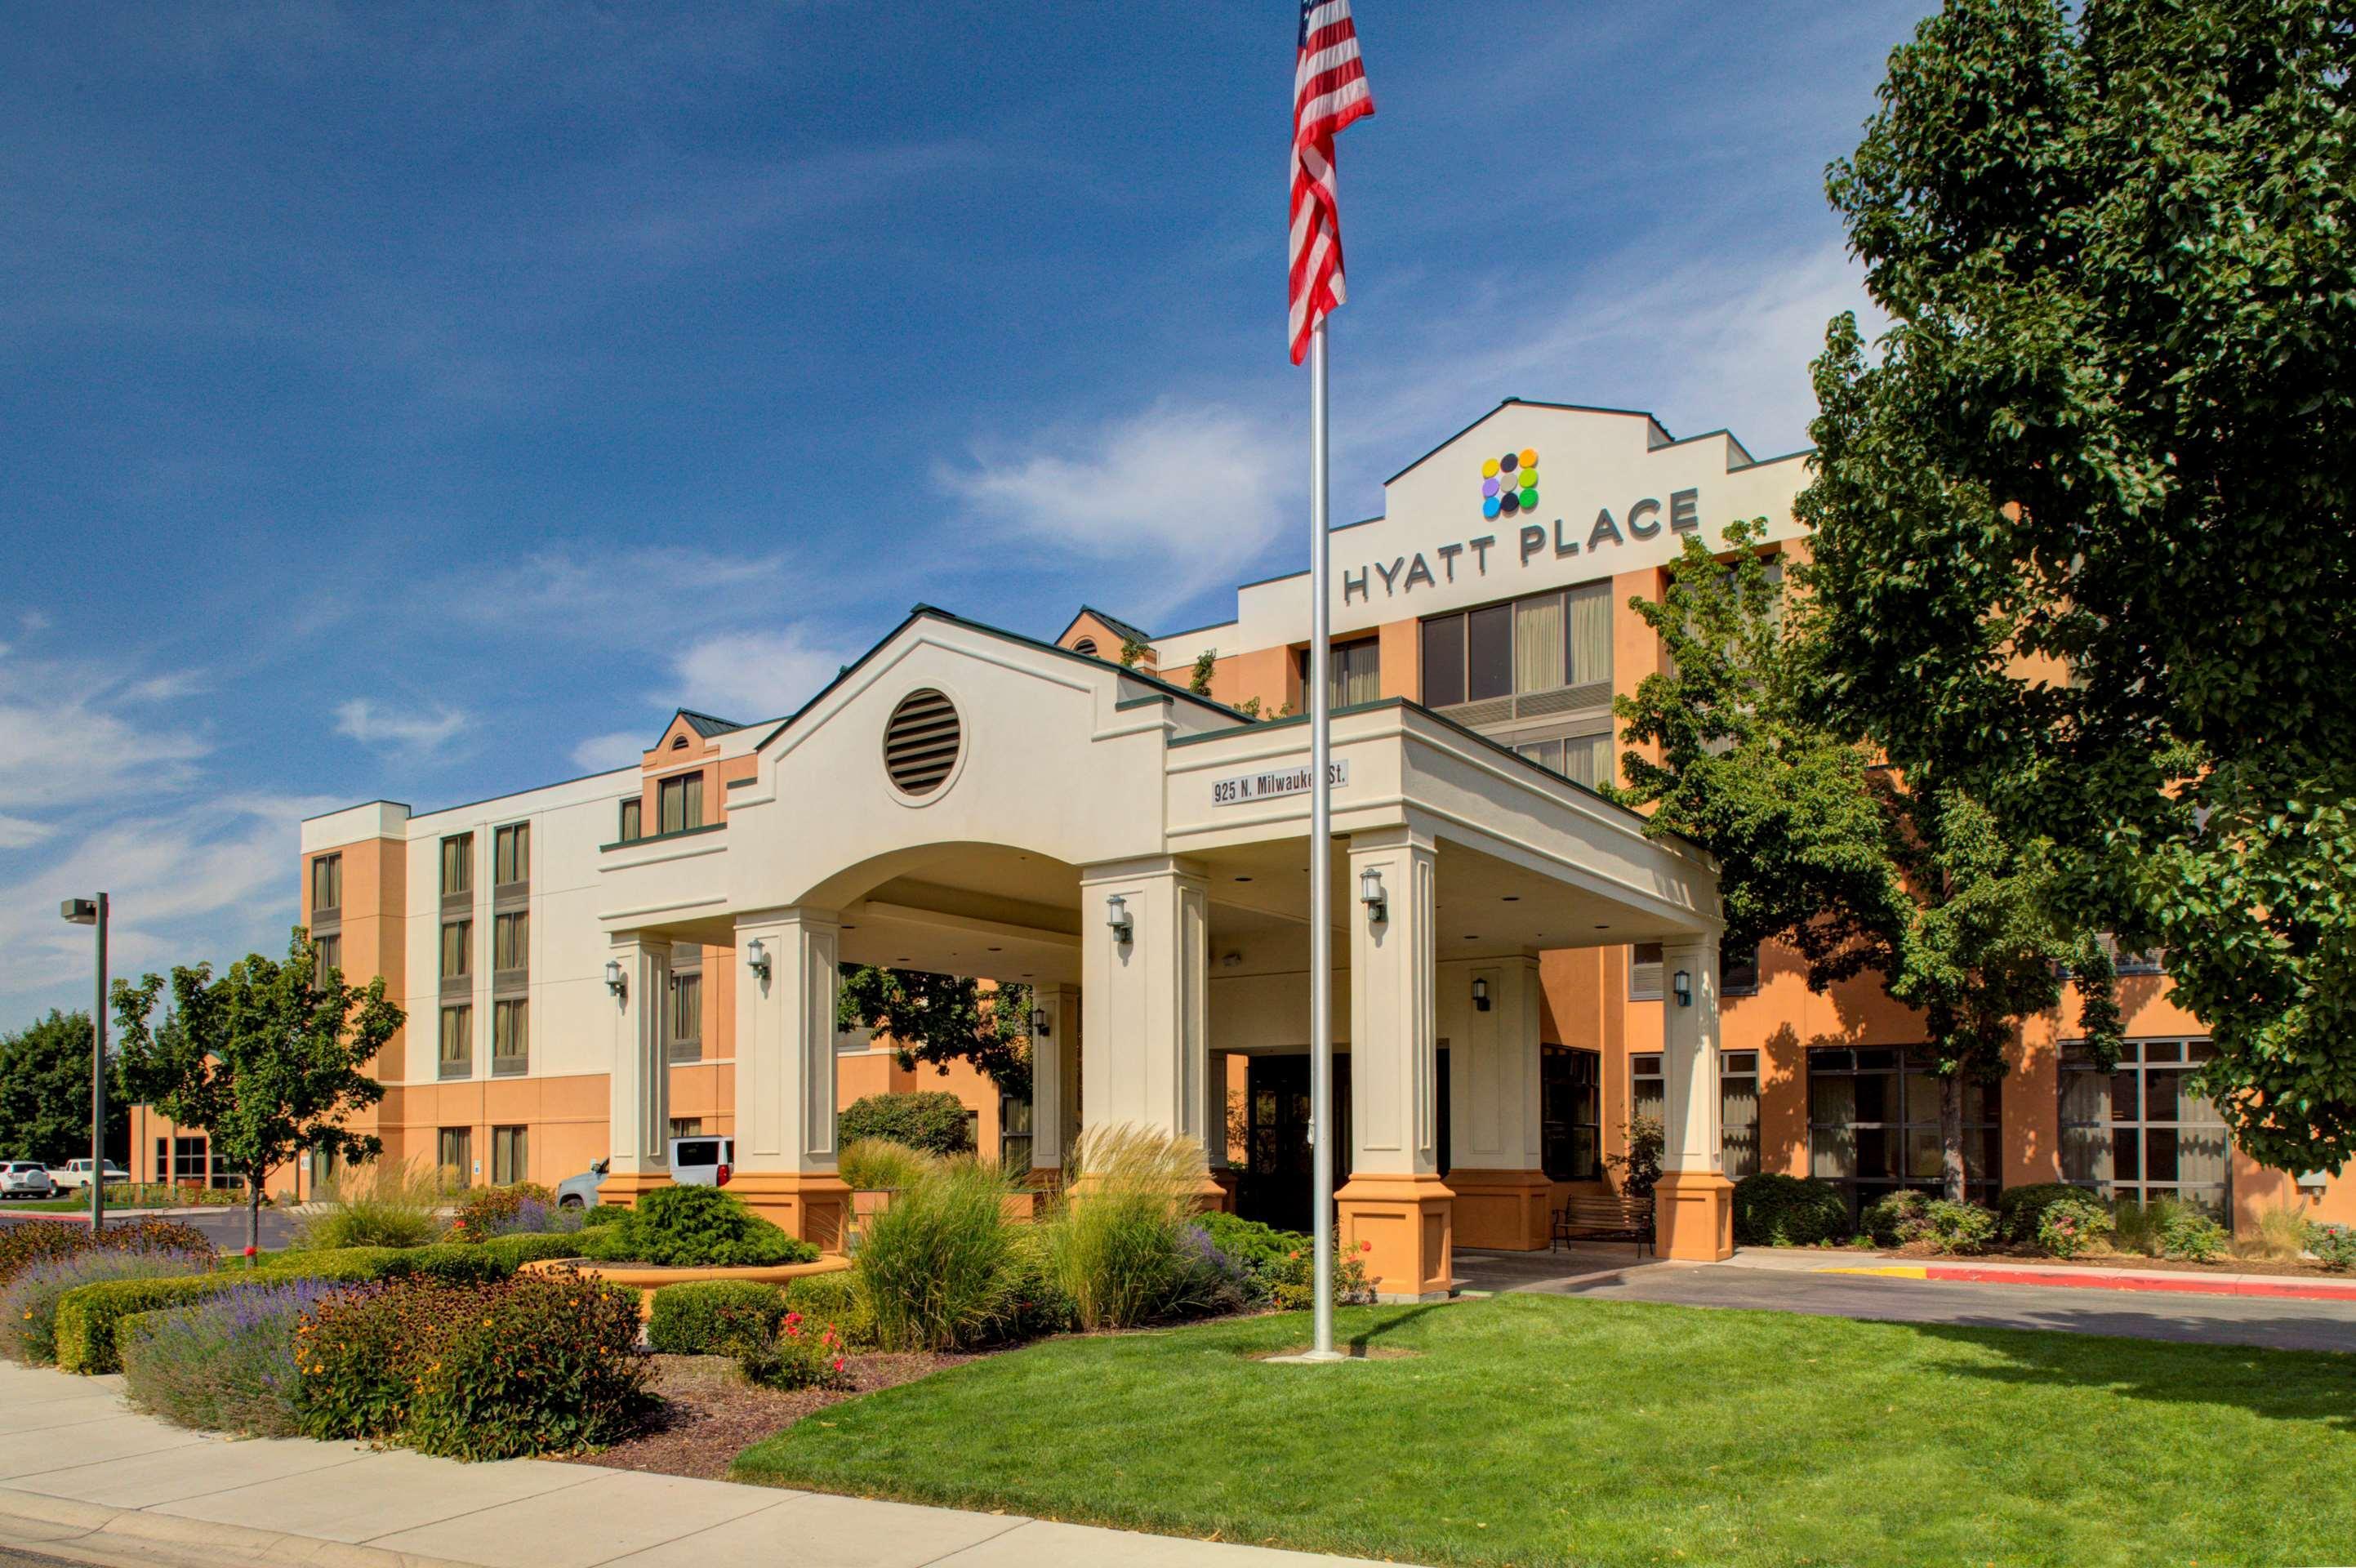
74 1175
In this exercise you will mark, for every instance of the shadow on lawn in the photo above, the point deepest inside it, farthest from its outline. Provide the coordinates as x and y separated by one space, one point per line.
2278 1385
1365 1338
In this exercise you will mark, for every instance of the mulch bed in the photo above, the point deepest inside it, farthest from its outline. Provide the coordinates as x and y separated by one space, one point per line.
709 1415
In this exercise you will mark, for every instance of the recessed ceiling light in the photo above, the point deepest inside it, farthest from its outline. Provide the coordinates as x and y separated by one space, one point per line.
1243 879
998 949
1603 926
1473 937
1513 897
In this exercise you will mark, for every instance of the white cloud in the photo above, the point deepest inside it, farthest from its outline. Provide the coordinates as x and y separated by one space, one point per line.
169 687
621 748
20 833
418 732
750 675
1171 497
60 746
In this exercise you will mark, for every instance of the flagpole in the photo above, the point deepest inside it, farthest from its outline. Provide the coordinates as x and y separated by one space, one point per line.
1320 855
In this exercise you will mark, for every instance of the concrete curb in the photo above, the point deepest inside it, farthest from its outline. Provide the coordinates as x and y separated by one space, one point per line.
93 1533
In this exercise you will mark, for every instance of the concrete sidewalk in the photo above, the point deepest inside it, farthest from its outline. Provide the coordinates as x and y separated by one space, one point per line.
85 1479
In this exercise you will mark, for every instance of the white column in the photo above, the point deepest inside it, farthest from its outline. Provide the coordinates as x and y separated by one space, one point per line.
785 1041
1058 1007
1394 1032
1493 1063
1144 1001
639 1118
1689 1106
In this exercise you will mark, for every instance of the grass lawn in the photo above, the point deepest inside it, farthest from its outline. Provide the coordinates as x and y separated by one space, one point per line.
1540 1429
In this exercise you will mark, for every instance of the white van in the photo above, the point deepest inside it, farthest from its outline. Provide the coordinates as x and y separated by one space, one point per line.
702 1161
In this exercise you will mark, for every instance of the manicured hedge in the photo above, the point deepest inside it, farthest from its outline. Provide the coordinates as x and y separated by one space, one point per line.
927 1119
714 1317
1777 1210
528 1247
695 1227
2020 1209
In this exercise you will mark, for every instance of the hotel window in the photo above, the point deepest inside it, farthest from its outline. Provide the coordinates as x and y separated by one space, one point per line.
510 1038
511 1156
2139 1132
1355 673
326 954
323 1166
633 816
326 887
457 957
686 1127
1738 971
510 948
456 1057
458 867
681 802
1873 1125
162 1159
1645 972
1570 1113
687 1013
1738 1104
1583 759
454 1155
1525 649
511 856
1014 1133
188 1162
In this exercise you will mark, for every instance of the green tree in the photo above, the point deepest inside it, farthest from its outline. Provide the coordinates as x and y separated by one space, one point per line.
44 1091
1823 847
1199 682
268 1059
942 1018
2082 524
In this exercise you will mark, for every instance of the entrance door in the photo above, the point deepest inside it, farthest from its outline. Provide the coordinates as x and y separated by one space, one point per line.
1274 1185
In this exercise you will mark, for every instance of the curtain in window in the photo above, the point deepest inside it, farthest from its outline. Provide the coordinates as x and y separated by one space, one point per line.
1537 644
1587 759
1357 673
458 1035
1591 634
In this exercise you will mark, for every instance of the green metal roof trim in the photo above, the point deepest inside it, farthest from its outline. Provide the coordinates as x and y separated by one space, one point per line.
706 725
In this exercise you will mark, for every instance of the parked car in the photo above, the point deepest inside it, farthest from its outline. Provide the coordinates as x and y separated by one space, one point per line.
702 1161
25 1178
581 1191
74 1175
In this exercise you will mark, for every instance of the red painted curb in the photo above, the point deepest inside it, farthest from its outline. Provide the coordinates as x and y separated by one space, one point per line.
2191 1285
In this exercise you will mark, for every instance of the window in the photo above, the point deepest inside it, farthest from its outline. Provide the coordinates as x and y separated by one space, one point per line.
510 946
1014 1133
510 1038
681 802
1571 1126
457 956
687 1127
162 1159
1873 1125
679 742
687 1017
1355 673
2139 1132
326 954
1738 1104
1543 643
1645 972
1489 653
511 856
454 1155
327 886
188 1161
322 1165
1738 971
633 810
511 1156
1583 759
458 866
456 1057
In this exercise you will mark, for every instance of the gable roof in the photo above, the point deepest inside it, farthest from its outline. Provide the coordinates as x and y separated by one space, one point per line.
705 725
1134 633
1655 433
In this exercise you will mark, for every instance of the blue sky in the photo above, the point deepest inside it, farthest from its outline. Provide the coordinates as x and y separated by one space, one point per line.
419 402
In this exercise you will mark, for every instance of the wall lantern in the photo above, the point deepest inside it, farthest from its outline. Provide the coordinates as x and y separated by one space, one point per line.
1116 917
615 981
1683 986
1371 894
756 959
1039 1022
2312 1183
1480 995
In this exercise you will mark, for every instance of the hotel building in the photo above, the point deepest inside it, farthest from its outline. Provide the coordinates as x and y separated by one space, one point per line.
593 965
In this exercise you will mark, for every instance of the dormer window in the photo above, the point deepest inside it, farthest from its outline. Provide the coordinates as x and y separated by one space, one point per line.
1087 645
678 741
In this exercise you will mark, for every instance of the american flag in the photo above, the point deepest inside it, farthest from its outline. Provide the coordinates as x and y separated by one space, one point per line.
1329 90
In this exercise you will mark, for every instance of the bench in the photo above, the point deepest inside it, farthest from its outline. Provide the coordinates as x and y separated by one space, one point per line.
1604 1217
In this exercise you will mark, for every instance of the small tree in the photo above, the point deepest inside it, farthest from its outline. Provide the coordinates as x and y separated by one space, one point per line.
267 1059
1199 682
45 1090
1639 1164
942 1018
1131 651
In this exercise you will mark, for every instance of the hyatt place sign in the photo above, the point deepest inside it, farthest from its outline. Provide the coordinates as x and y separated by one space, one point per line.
1403 575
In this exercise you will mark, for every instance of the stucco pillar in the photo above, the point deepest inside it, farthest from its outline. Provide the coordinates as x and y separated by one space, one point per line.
1145 1001
639 1120
1059 1010
786 1144
1502 1191
1394 1211
1694 1204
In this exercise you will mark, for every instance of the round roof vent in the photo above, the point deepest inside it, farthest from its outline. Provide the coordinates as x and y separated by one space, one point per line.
1087 645
920 744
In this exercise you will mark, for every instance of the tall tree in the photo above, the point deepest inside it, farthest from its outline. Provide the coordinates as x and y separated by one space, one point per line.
2082 525
44 1091
268 1059
942 1018
1823 846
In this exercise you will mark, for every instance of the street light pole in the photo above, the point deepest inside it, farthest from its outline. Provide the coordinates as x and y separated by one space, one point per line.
93 912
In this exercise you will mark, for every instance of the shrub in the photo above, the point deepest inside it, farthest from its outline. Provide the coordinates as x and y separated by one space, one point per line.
940 1265
1960 1228
874 1164
2152 1228
2193 1237
929 1120
1894 1218
801 1354
526 1247
488 1211
839 1297
225 1364
603 1214
27 1242
2334 1246
29 1306
714 1317
397 1206
696 1227
1278 1267
2072 1225
2020 1209
2281 1235
1776 1210
1117 1252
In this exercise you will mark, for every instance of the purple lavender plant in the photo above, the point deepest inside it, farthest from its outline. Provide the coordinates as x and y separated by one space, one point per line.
227 1364
29 1307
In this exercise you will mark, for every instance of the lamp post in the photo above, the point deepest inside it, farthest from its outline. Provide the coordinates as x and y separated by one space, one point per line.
93 912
